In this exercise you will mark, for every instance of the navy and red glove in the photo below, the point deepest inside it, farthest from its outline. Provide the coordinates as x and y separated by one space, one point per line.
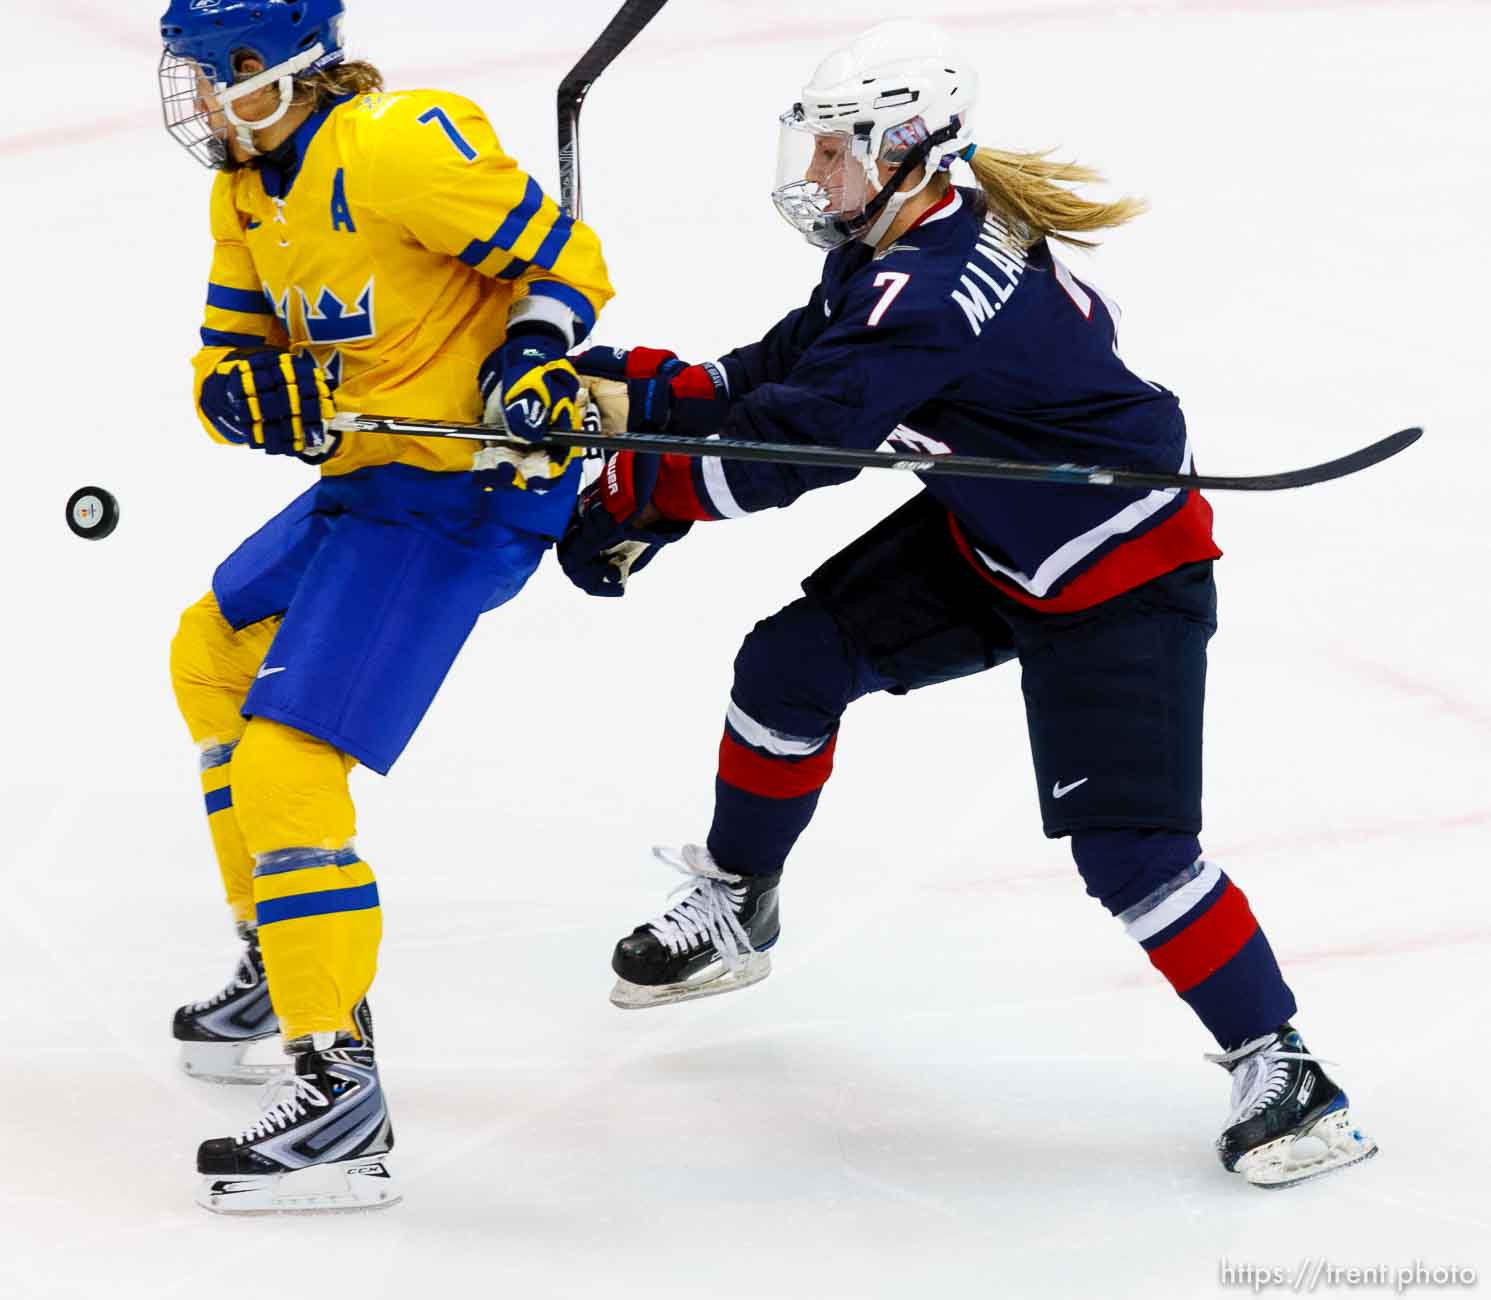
664 394
604 543
276 401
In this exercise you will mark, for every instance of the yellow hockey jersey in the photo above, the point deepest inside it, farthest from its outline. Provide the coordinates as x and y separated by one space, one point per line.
394 240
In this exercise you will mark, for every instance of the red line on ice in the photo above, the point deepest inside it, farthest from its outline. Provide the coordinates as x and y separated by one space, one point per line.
1366 949
1460 707
1337 836
1061 872
127 35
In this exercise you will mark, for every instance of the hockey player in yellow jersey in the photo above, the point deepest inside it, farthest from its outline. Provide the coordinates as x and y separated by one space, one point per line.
375 250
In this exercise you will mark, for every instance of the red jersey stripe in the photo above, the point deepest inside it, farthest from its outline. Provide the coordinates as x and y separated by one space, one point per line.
1184 538
1208 943
774 778
946 200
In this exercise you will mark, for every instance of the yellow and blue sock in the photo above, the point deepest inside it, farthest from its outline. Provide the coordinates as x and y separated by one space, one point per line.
316 901
212 668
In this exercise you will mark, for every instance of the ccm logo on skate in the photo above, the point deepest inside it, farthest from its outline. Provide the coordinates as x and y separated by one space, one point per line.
369 1171
1306 1088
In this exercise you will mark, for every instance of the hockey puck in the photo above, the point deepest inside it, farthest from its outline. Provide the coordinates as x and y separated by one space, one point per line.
93 513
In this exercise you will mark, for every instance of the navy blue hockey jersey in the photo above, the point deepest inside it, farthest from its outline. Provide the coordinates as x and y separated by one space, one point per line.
957 340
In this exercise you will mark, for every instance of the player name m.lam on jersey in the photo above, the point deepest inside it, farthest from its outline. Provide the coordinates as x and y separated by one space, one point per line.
1003 253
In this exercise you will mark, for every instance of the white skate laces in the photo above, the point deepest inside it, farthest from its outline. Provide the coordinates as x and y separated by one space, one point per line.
707 912
1300 1142
1260 1074
245 977
302 1094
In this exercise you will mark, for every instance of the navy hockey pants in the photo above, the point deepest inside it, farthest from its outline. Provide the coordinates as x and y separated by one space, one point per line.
1114 698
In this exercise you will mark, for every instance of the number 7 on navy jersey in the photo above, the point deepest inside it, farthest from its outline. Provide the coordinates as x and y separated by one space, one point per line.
892 282
456 138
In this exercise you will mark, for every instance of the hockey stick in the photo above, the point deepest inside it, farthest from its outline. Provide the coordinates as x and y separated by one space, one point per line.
624 27
847 458
620 32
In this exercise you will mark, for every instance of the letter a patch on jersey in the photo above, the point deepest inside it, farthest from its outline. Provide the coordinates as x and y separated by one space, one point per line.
341 214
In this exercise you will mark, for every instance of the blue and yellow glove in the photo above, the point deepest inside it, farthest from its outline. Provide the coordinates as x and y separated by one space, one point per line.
529 387
275 401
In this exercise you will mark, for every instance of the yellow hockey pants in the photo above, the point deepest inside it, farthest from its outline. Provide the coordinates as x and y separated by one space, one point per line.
282 825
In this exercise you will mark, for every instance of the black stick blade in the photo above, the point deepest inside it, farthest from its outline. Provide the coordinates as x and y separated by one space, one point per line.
1352 463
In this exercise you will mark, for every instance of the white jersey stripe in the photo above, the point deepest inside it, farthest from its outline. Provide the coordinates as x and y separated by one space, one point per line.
1066 557
759 736
718 488
1175 905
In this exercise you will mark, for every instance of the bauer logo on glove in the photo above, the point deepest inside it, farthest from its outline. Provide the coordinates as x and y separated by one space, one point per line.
606 541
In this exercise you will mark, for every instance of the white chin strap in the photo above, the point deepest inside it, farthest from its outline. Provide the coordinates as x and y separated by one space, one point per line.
282 75
876 232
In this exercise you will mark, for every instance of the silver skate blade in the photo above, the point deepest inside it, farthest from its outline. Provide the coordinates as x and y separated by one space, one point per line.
1332 1143
252 1061
713 980
317 1189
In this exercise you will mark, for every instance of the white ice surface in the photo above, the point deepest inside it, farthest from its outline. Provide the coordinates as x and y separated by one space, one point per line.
961 1077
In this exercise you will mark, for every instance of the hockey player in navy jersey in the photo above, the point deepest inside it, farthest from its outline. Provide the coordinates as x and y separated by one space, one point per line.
944 321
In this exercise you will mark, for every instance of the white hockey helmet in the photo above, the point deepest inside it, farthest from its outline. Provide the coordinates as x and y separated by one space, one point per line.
898 96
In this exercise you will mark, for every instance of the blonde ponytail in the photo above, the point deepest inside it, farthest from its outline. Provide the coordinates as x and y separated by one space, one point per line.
353 77
1020 186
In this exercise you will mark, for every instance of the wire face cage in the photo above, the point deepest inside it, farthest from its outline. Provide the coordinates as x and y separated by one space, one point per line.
188 106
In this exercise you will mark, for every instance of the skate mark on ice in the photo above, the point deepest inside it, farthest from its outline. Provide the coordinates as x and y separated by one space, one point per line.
74 972
1370 1194
888 892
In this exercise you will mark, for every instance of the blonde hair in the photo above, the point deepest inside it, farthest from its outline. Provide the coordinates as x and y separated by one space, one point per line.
351 78
1022 187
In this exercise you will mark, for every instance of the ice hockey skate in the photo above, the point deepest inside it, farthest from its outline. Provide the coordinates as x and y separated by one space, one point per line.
713 940
1289 1121
233 1036
321 1144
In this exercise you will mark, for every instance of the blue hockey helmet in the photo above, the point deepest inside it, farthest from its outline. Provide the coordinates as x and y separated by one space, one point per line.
207 43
